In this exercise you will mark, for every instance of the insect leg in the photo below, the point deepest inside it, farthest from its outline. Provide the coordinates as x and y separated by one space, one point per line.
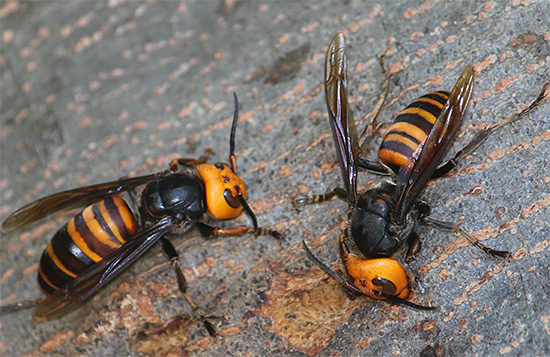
413 240
174 164
18 306
414 244
373 166
482 135
172 254
449 226
302 201
209 231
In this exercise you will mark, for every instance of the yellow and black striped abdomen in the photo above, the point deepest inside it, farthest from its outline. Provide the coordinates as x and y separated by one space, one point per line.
90 236
410 128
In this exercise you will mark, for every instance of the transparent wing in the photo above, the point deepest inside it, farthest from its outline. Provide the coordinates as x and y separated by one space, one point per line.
77 197
99 274
340 120
412 178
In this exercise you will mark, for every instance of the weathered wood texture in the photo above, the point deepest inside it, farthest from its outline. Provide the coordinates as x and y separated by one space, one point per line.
91 91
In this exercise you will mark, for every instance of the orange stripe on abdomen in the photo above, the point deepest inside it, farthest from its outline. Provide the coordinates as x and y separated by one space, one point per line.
409 129
118 217
90 236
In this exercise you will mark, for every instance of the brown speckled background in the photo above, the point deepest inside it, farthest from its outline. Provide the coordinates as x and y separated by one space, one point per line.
91 91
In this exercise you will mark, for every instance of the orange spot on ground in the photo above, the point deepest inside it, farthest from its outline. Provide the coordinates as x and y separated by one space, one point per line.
416 35
451 39
489 5
435 45
410 13
486 62
396 67
468 20
434 80
528 38
285 171
284 39
505 83
58 340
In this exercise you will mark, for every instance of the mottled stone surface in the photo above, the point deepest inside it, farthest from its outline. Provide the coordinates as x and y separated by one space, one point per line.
91 91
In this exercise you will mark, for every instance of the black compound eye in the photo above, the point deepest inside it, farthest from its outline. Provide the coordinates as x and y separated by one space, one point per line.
220 166
388 288
231 200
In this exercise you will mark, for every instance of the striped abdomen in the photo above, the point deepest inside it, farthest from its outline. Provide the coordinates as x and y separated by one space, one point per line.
89 237
410 128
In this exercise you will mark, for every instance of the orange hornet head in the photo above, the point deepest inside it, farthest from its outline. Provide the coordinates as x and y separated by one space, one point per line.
223 188
378 278
225 191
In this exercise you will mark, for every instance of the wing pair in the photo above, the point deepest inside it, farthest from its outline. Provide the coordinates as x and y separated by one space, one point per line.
66 200
412 178
99 274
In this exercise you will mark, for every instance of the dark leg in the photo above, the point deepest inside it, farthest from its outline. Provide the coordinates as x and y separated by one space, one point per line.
415 245
338 191
18 306
190 162
210 231
174 164
182 284
423 208
373 166
453 227
413 240
482 135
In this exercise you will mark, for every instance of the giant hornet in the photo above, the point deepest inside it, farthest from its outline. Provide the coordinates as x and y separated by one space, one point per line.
382 219
106 237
